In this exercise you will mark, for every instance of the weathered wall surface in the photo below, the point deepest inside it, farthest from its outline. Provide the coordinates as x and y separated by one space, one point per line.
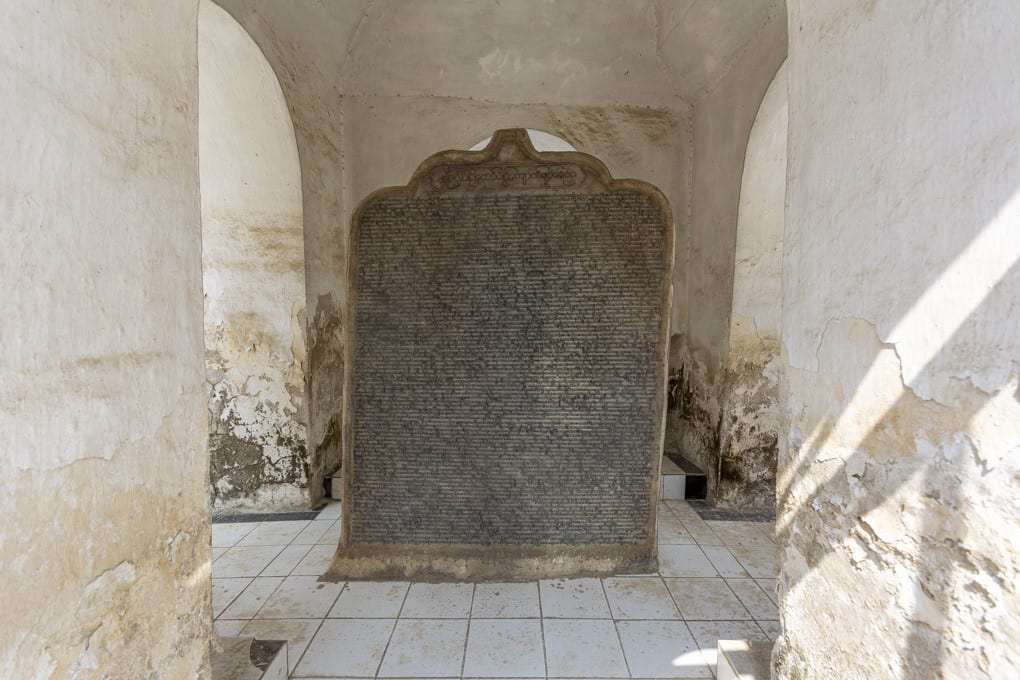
253 262
750 425
899 518
723 116
104 554
306 42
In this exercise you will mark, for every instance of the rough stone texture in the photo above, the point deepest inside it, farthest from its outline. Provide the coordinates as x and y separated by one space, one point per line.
722 121
104 554
899 525
750 425
253 262
497 301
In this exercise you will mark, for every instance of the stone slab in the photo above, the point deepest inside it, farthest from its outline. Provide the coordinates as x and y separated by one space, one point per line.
506 369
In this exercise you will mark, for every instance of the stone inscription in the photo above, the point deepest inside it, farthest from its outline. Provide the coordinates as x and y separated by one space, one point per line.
554 176
506 361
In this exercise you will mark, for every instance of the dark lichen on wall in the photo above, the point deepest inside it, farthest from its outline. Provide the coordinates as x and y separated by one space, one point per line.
257 452
729 430
325 392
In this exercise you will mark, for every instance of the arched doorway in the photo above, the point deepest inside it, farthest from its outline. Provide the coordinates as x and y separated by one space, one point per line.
253 267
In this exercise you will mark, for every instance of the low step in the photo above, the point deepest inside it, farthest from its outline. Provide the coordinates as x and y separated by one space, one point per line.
744 660
249 659
681 480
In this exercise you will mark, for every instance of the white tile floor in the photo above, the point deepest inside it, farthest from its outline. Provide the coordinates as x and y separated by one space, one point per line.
716 580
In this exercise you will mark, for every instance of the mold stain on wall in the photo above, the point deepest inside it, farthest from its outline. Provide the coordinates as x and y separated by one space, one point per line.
253 262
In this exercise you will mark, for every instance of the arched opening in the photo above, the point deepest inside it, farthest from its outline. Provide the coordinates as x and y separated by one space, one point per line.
253 266
750 423
540 139
900 280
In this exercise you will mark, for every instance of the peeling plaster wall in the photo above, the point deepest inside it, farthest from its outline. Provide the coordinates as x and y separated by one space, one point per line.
307 60
723 116
749 431
253 262
899 520
104 554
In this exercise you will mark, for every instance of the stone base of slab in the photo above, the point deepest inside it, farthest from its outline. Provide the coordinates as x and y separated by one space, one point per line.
474 563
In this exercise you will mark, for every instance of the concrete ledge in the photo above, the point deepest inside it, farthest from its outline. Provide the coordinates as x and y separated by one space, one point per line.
672 486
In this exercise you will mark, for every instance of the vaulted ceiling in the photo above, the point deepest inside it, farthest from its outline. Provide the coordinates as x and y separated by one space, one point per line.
659 53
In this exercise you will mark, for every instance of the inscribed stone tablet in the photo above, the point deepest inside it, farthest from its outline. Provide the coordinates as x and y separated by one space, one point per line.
506 369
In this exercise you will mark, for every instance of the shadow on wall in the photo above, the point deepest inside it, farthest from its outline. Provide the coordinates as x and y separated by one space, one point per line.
902 494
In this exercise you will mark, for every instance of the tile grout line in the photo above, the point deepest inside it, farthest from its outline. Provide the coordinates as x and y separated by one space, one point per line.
683 616
393 629
746 608
321 619
541 629
467 634
308 645
754 618
704 658
541 617
662 580
285 576
616 628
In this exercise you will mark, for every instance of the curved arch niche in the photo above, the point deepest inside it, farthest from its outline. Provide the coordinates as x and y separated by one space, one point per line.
540 139
749 436
253 267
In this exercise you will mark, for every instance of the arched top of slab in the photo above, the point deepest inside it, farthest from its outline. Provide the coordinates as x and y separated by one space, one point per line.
510 164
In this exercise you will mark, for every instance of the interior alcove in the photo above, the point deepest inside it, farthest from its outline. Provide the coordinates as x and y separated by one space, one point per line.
897 494
253 271
540 139
750 423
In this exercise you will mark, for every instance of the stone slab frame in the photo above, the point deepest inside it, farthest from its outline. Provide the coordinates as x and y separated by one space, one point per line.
506 370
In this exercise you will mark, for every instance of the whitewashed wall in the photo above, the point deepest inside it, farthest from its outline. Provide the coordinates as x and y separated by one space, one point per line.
253 262
899 514
104 542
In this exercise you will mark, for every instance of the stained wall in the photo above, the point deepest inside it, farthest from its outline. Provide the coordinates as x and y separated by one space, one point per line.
307 42
253 260
897 483
104 552
723 115
751 419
